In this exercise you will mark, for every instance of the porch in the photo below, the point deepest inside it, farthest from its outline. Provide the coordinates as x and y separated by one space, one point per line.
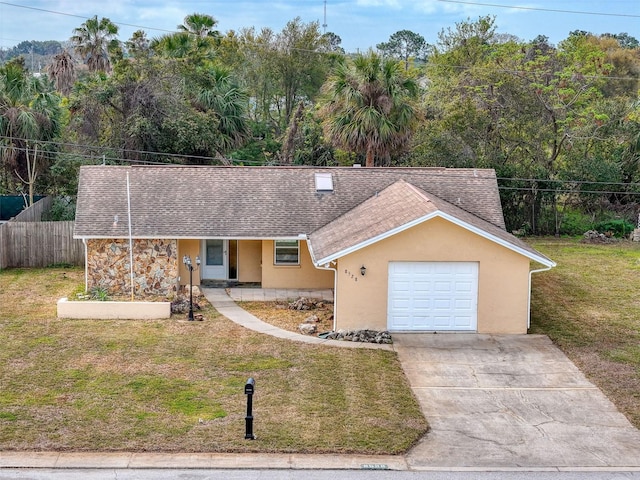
243 294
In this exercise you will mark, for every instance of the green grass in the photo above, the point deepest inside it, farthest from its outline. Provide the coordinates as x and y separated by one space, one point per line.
174 385
589 305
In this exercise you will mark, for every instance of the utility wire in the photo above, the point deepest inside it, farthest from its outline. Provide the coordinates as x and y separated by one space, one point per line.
82 17
538 9
99 158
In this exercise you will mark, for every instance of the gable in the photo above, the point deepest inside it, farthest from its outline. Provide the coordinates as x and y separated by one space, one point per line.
398 208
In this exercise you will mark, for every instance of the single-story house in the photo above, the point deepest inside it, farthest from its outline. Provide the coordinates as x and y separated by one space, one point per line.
405 249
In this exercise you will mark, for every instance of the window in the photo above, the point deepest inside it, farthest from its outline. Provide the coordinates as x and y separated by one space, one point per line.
287 252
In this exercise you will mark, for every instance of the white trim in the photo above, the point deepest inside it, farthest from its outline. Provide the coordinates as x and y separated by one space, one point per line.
478 231
190 237
546 269
275 253
86 265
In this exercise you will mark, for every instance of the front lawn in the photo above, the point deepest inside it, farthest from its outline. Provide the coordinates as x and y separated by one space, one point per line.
590 307
174 385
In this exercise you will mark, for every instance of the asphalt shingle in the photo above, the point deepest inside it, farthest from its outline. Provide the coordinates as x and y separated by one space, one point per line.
255 202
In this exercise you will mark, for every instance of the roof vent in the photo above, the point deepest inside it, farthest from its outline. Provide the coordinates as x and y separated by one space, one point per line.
324 182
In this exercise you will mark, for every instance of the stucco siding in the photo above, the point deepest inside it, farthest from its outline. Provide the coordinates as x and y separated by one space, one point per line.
192 248
304 275
502 276
249 260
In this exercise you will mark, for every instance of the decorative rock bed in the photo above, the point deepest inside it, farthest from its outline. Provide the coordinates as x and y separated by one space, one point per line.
366 336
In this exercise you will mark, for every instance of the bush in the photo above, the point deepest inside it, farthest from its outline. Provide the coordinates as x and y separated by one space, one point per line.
575 223
618 227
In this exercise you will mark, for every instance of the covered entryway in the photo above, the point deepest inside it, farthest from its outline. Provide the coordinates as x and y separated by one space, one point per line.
219 259
433 296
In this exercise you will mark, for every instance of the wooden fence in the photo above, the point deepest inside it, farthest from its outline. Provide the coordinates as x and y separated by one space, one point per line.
39 244
35 211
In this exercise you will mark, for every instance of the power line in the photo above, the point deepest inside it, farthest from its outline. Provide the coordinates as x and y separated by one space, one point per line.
578 12
99 157
82 17
553 190
547 180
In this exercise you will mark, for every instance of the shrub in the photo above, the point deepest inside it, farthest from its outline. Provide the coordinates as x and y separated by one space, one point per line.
618 227
575 223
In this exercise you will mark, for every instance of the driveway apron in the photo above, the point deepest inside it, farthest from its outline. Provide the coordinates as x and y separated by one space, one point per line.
510 401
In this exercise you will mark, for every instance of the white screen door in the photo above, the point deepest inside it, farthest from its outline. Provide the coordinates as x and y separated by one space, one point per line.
215 260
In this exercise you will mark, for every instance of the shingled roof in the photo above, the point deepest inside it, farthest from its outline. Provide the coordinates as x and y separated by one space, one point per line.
396 208
283 202
255 202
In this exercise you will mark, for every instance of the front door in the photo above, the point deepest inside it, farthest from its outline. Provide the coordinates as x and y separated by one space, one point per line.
214 266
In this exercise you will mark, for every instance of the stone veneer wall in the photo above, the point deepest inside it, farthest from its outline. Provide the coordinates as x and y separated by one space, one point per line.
155 266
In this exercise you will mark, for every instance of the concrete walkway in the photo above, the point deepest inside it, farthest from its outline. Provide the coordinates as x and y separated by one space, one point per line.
226 305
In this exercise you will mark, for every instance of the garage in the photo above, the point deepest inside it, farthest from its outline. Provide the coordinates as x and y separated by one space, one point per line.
433 296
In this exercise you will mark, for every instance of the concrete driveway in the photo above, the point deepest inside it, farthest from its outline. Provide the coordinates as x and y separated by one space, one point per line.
510 402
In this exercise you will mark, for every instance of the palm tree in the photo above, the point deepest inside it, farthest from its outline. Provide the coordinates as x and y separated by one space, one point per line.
62 72
172 45
368 107
195 40
95 40
30 118
200 25
217 91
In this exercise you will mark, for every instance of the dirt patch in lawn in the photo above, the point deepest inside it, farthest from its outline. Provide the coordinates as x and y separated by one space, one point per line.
278 314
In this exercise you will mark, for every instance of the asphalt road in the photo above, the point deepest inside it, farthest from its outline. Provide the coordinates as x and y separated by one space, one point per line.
154 474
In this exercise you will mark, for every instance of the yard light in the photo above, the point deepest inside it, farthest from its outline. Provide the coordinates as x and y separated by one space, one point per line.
363 270
187 263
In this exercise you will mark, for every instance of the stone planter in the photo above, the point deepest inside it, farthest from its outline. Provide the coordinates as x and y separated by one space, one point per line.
113 310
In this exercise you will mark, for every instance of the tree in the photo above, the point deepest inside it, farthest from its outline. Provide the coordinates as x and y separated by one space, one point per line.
404 45
200 25
30 119
95 40
62 72
530 111
138 44
284 68
368 108
332 42
215 90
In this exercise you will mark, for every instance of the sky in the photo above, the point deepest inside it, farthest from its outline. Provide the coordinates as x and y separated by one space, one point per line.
360 24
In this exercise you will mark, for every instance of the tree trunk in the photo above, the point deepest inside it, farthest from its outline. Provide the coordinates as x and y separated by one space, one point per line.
370 157
290 136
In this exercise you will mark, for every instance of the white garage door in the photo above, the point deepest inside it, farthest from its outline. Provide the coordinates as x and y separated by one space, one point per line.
433 296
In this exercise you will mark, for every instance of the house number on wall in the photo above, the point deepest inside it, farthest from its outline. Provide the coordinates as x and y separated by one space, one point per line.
351 275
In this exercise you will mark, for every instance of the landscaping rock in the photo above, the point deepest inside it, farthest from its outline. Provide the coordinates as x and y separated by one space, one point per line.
366 336
181 305
313 319
593 236
307 328
304 303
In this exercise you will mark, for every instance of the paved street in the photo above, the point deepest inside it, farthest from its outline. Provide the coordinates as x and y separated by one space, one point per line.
305 475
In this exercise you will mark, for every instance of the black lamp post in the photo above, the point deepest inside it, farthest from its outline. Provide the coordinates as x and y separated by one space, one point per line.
187 263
